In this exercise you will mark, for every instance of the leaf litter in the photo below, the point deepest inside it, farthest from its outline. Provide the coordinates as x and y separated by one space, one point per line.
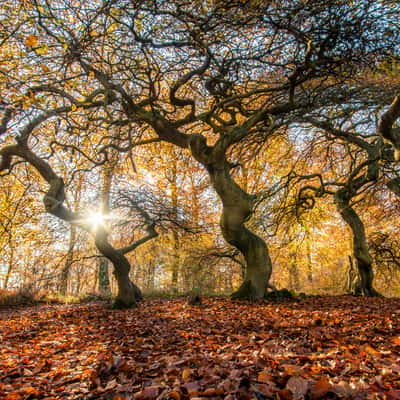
313 348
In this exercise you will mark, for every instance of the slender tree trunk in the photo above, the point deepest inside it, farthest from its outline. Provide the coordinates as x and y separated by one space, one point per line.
175 236
10 262
103 277
65 273
309 262
361 255
237 209
294 281
150 276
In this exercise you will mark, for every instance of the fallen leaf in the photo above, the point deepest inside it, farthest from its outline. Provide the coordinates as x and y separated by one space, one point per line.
264 377
148 393
320 388
370 350
298 386
172 395
186 373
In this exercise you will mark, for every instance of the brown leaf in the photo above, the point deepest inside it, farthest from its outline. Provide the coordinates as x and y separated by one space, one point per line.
264 377
393 394
148 393
342 389
298 386
192 388
320 388
285 394
172 395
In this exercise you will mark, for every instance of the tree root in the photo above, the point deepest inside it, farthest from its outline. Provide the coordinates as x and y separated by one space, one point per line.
245 292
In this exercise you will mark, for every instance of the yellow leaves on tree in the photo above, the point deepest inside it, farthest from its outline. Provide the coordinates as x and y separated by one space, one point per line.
33 41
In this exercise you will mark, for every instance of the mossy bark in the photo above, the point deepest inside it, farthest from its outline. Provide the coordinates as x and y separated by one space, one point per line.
128 293
237 209
361 255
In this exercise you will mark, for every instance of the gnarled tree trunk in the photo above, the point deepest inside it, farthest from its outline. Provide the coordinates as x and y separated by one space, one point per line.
237 209
361 256
128 293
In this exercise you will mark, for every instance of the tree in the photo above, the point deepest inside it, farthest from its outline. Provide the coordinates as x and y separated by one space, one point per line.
363 172
210 79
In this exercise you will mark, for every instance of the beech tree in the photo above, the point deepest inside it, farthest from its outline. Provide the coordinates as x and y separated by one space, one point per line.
364 148
206 77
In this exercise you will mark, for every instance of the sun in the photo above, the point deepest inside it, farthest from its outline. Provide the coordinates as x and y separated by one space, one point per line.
96 219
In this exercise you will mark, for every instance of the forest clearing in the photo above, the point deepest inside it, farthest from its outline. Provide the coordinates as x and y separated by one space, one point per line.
315 348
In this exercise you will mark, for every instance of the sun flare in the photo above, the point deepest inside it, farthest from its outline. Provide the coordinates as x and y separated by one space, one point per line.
96 219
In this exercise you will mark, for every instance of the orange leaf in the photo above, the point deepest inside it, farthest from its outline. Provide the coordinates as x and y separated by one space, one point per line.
370 350
13 396
396 340
31 41
321 388
264 377
31 390
186 374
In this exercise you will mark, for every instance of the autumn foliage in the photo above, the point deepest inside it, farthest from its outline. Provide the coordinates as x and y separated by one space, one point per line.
313 348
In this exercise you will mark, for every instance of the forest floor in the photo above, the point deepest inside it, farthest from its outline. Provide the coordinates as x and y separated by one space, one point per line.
313 348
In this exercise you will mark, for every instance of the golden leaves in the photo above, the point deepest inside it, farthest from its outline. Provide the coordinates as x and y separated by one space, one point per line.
31 41
112 27
42 50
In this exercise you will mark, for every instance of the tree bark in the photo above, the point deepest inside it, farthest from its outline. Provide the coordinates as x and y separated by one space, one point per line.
175 236
128 293
294 281
353 284
237 209
103 275
63 283
10 264
361 255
